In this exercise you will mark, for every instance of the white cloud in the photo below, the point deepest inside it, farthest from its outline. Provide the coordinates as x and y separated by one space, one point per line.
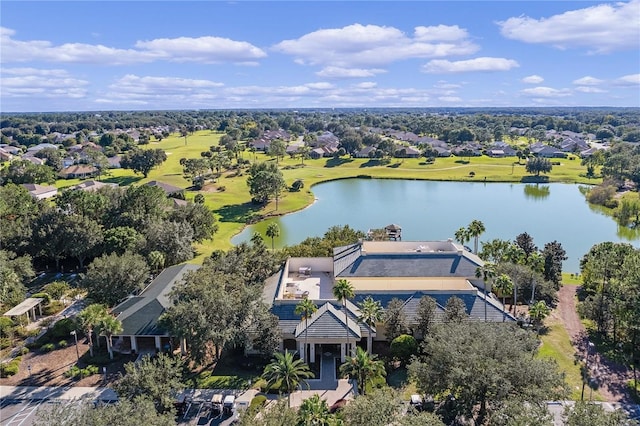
546 92
440 33
533 79
588 81
322 85
356 45
157 86
450 99
601 28
366 85
202 49
589 89
628 80
339 72
181 49
471 65
444 85
40 83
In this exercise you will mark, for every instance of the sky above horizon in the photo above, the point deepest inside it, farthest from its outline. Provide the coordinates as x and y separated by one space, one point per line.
157 55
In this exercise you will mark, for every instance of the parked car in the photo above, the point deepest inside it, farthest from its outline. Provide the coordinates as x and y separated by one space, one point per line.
416 402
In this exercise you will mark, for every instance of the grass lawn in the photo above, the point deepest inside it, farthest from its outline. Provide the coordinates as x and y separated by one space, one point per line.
229 196
556 345
571 279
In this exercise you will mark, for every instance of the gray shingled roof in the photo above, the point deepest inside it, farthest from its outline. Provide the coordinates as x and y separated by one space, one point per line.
327 322
411 265
139 315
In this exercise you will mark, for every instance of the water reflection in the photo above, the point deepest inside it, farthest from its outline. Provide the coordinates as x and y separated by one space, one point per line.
537 191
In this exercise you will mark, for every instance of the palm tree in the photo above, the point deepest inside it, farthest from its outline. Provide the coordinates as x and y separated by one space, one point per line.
110 325
504 285
314 411
305 309
156 259
287 371
462 235
538 312
363 367
89 318
371 312
486 272
475 229
515 255
536 263
343 290
273 231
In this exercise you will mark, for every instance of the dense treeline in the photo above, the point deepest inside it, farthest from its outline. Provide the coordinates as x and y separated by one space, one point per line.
449 125
137 226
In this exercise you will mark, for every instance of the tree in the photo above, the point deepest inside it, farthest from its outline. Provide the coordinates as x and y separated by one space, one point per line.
273 231
591 414
278 414
363 367
110 326
395 319
111 277
343 291
553 255
139 411
371 312
505 286
525 242
91 205
421 419
137 206
381 407
314 411
462 235
209 296
305 309
267 336
521 413
426 315
504 353
172 239
18 209
475 229
265 181
98 159
84 237
538 312
199 217
538 165
24 171
156 260
277 148
143 160
158 378
286 371
303 151
49 236
52 157
121 239
455 310
89 319
14 271
404 347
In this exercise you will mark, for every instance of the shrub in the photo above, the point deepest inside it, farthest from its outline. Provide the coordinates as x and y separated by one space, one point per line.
56 289
62 329
47 322
403 347
5 325
47 347
5 342
42 295
297 185
601 194
62 344
53 308
472 174
257 402
222 188
77 372
24 350
10 368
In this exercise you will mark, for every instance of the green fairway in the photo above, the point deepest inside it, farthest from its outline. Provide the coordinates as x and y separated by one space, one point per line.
229 196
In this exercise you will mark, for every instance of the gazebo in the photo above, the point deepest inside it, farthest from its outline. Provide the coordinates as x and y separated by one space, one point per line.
28 307
394 232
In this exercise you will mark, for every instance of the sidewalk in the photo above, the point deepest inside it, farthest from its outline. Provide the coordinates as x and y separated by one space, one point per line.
56 393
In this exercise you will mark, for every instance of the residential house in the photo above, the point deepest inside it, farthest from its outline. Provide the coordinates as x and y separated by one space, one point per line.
409 152
40 192
5 156
501 149
541 150
114 162
35 148
365 152
170 190
467 150
93 185
34 160
381 270
141 332
79 171
13 150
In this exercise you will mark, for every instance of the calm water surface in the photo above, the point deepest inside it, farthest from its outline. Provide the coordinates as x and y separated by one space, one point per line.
429 210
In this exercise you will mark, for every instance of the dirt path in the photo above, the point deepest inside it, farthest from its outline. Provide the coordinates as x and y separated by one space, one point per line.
611 377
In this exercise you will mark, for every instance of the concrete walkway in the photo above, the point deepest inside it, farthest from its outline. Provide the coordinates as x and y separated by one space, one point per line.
327 379
21 393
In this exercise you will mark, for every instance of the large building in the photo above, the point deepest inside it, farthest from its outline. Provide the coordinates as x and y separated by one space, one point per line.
382 270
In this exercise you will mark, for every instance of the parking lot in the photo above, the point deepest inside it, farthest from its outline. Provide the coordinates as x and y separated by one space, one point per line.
20 412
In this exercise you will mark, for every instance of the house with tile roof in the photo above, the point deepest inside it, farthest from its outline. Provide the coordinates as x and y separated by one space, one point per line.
382 270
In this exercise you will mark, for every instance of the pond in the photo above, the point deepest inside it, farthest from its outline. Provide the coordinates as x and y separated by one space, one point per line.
429 210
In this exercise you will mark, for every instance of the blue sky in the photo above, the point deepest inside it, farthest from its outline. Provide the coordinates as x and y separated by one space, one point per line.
87 56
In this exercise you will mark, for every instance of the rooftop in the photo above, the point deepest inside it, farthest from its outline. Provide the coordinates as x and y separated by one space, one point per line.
410 284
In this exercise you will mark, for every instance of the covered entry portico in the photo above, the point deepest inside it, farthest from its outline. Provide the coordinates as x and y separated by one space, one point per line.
325 331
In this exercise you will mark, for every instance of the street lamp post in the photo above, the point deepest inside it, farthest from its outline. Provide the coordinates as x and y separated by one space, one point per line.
30 376
75 335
